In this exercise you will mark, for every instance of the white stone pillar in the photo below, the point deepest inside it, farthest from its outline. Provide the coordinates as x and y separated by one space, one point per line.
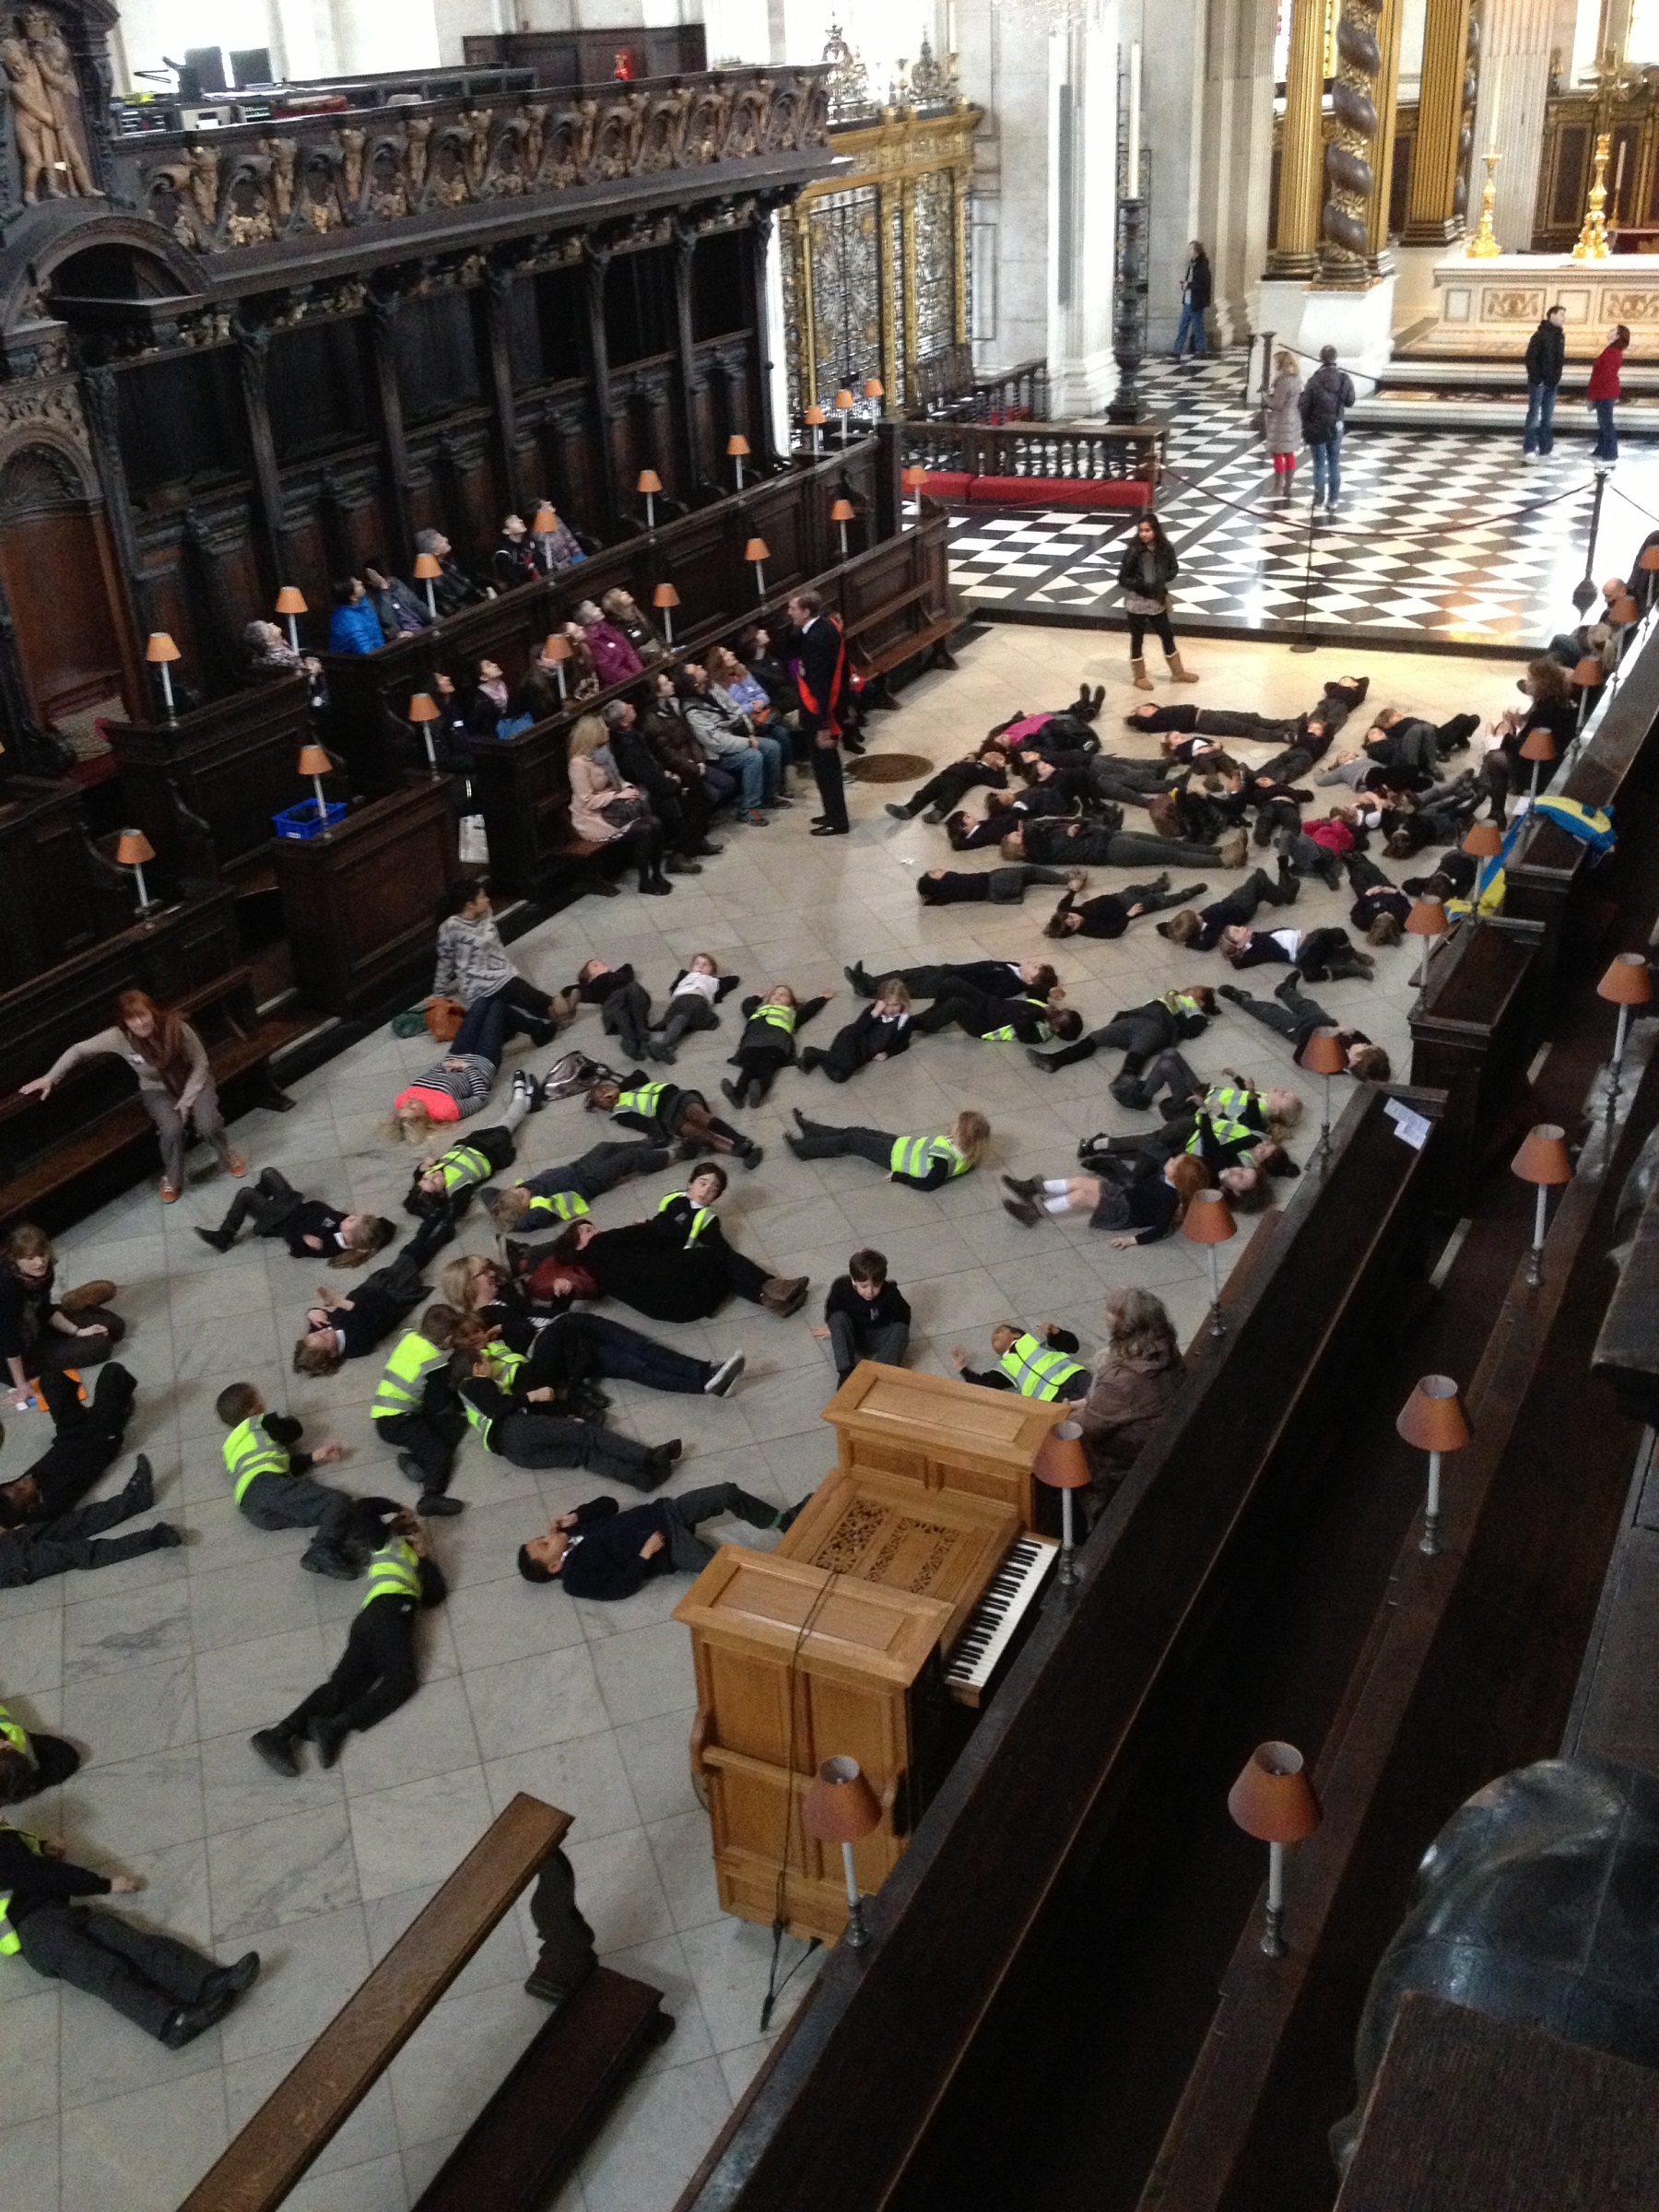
1237 156
1514 84
1080 366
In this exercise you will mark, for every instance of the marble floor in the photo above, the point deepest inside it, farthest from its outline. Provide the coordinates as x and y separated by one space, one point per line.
161 1667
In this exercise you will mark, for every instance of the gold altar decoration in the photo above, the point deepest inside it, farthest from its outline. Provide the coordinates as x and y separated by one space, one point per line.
1593 239
874 261
1484 245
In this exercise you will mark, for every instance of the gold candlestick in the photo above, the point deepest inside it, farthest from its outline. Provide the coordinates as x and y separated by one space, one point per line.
1593 239
1484 245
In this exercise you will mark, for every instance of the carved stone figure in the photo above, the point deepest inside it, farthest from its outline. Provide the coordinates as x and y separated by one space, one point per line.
350 144
46 110
415 154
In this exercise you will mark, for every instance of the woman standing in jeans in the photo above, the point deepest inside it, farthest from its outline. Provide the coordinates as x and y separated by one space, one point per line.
1145 575
175 1085
1603 393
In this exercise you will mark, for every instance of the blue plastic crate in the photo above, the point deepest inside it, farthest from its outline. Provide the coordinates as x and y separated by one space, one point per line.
303 820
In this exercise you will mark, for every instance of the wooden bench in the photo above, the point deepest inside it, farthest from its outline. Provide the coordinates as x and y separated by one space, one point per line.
946 385
529 2134
110 1132
921 631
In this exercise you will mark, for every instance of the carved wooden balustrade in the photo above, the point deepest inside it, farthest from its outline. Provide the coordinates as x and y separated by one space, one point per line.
1094 453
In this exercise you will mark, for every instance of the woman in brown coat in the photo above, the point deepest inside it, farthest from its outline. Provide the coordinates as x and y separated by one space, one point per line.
1137 1375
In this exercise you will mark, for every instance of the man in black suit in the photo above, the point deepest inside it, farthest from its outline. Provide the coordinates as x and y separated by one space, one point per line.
814 640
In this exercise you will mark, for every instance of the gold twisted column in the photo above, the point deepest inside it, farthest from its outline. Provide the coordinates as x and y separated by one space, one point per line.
1384 98
1437 211
1344 220
1296 248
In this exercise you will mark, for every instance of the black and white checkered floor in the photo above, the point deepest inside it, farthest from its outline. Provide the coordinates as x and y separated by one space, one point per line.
1443 538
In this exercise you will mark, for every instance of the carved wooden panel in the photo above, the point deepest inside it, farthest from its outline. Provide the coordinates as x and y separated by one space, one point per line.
358 903
47 908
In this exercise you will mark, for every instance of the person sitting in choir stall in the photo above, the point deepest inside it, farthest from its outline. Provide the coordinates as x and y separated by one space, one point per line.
768 1043
452 587
657 752
513 561
555 549
1137 1200
1109 913
1137 1376
271 655
995 887
399 611
1037 1364
774 675
881 1031
865 1316
600 1551
310 1228
354 627
622 611
675 1266
758 760
606 811
615 659
486 697
735 689
943 793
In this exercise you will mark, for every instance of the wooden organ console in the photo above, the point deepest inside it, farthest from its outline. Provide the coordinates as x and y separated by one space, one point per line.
882 1618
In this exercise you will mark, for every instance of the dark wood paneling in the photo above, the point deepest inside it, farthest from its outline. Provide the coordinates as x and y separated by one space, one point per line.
48 909
65 599
234 764
360 904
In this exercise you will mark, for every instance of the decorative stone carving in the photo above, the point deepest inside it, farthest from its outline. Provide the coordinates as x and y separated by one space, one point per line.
849 81
34 411
47 126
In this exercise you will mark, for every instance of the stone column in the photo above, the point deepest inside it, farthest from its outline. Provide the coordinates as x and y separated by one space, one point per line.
1302 179
1344 225
1385 98
1515 86
1438 211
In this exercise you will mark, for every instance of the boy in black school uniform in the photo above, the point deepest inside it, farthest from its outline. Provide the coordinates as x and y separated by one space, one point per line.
866 1317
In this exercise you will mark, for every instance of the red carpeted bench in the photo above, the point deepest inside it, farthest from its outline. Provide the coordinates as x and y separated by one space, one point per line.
1038 491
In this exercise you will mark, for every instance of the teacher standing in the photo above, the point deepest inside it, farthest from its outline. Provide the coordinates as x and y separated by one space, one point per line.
815 642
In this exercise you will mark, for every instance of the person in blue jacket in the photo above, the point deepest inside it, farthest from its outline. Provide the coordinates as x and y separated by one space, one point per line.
354 627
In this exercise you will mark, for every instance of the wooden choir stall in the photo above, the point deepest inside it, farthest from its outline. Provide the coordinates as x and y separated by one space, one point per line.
873 1632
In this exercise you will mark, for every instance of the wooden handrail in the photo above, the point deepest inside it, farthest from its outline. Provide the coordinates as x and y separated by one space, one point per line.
315 2099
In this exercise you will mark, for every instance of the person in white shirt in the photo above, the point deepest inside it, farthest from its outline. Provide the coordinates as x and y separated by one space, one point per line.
693 999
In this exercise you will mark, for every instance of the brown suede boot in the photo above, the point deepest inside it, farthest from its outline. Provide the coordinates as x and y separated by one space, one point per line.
1178 675
1137 669
785 1294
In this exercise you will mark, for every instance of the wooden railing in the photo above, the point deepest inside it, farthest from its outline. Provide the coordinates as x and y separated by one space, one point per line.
1089 453
948 389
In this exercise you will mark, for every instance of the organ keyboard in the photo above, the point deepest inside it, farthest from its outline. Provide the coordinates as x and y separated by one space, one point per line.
997 1619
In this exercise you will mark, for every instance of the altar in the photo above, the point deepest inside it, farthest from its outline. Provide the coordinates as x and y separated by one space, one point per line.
1489 308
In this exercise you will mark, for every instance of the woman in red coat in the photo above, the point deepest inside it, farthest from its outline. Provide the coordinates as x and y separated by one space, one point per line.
1603 393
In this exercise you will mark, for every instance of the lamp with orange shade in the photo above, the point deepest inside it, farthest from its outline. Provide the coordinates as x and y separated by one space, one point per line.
132 852
665 599
649 483
915 482
1482 841
840 1807
843 404
427 569
1061 1465
1626 984
737 445
1322 1054
1432 1420
874 392
1623 611
556 652
815 419
1209 1221
1427 920
841 512
757 555
291 601
161 651
1274 1801
1542 1160
424 711
543 523
1538 745
315 763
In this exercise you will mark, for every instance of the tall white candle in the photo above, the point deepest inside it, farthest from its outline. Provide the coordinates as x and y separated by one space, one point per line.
1134 73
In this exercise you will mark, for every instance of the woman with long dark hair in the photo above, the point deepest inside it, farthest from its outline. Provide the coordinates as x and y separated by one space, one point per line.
41 1333
1147 570
175 1083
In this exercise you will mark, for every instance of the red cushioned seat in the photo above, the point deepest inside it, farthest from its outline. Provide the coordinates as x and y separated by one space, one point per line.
947 484
1059 491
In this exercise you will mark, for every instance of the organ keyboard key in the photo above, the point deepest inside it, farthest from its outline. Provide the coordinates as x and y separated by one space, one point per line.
996 1620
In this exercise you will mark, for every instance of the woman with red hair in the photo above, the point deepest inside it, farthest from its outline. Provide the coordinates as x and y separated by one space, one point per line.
175 1083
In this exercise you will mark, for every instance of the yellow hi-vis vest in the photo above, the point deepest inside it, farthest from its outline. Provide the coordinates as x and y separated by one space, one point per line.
9 1945
914 1155
1006 1034
461 1167
404 1380
1225 1104
1034 1371
394 1571
781 1017
562 1205
504 1367
646 1101
1181 1002
13 1733
700 1215
250 1452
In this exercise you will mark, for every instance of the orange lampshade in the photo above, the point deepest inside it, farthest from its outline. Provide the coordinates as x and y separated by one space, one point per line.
135 849
844 401
843 511
428 564
290 600
314 760
1586 674
557 647
1060 1462
756 550
544 523
1627 982
1432 1418
665 596
1482 841
1427 918
1650 559
648 480
873 388
423 707
840 1807
1273 1800
1209 1218
1622 611
816 418
1538 745
915 478
737 445
1543 1157
161 647
1322 1054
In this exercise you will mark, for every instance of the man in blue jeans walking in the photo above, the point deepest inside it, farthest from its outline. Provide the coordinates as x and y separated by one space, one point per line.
1326 397
1196 289
1546 358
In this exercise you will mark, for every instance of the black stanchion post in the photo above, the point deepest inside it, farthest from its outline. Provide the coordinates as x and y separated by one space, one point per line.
1583 590
1305 643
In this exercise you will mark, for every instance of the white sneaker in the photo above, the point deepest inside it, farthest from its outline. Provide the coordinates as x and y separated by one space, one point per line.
1529 458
